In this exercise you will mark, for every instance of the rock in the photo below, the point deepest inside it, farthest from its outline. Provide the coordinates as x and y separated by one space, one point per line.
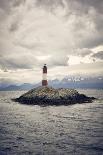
51 96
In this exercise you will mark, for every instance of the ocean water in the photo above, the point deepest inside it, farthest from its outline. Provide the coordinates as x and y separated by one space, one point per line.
51 130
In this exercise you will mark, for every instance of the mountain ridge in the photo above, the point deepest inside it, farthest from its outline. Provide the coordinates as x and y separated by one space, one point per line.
66 82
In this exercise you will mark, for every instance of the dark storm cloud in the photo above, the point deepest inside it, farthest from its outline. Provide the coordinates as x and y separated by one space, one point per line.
77 5
97 4
5 4
14 26
16 3
6 9
98 55
49 4
8 4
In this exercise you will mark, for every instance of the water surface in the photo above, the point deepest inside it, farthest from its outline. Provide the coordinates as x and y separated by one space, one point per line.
51 130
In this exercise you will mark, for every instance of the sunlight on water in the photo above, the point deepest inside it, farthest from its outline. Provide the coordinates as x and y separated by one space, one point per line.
75 129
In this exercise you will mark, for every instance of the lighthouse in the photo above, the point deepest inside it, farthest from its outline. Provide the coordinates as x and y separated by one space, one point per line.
44 80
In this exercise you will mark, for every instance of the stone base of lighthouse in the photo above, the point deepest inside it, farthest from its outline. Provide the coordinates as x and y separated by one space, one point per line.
44 83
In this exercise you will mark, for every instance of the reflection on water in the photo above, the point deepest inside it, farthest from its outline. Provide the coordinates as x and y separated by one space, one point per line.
51 130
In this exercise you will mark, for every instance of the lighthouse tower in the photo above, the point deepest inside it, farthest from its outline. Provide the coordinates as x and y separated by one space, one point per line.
44 80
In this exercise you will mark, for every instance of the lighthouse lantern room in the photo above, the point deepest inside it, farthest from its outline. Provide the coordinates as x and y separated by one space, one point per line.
44 80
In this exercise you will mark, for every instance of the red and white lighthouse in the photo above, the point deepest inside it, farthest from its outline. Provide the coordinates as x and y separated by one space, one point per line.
44 80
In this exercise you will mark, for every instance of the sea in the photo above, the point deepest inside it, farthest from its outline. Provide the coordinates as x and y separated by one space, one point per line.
51 130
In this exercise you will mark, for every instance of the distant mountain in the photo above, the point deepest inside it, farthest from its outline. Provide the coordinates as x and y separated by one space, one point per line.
11 87
79 82
67 82
25 86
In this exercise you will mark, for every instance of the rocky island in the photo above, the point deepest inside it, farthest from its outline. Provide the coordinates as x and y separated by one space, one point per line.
45 95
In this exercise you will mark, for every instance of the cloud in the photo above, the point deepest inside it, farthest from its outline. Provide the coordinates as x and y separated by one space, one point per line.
5 4
82 52
56 32
98 55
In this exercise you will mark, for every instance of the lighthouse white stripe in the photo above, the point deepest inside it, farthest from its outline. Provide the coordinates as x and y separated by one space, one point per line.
44 76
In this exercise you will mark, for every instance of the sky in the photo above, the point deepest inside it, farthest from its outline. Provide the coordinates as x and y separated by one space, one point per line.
67 35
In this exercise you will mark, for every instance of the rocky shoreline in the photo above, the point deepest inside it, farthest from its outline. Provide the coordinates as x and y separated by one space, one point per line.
51 96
